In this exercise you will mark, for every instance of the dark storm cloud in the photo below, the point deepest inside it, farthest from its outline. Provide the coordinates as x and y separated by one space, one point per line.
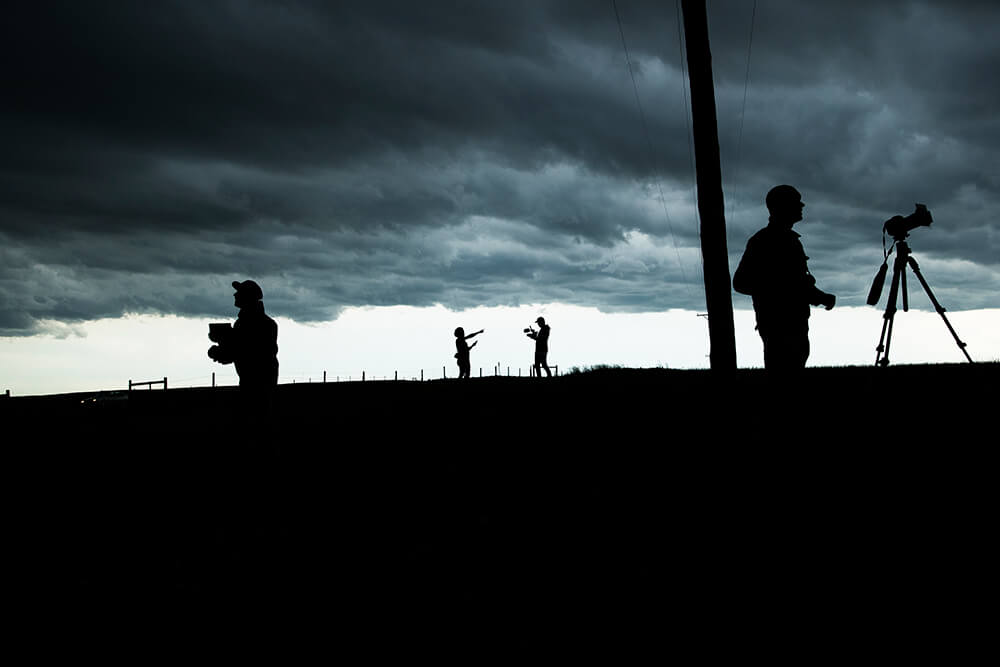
473 153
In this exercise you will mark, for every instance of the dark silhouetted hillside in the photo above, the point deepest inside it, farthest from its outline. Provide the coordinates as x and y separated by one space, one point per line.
641 497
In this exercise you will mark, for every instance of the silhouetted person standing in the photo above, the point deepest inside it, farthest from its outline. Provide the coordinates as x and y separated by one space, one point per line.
462 350
774 272
252 345
250 506
541 338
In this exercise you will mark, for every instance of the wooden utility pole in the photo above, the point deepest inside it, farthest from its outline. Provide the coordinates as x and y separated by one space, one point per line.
711 206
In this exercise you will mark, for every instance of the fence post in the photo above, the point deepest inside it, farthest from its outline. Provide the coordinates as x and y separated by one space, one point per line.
324 377
421 374
397 375
362 376
164 383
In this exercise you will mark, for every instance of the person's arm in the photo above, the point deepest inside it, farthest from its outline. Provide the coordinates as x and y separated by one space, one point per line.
474 334
226 351
815 295
223 354
818 297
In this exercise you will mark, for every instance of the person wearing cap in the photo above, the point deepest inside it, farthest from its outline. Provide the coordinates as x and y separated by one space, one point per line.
541 338
774 272
252 343
250 509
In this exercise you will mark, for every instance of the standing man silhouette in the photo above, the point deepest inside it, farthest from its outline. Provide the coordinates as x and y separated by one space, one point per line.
462 350
774 272
541 338
252 345
251 508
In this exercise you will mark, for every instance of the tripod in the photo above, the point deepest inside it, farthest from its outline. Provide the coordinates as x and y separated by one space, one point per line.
903 257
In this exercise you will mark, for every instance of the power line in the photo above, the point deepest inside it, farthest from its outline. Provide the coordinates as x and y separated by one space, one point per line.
687 117
743 110
746 83
649 143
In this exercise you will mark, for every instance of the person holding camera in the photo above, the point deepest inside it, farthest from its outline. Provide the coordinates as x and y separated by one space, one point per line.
250 509
251 344
541 338
462 350
774 272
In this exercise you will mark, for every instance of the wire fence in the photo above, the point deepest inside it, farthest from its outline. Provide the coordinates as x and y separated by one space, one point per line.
422 375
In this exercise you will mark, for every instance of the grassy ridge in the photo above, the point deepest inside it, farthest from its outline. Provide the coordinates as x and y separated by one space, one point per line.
615 489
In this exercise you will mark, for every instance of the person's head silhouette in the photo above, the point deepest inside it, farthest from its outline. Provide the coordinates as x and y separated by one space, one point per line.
247 293
784 204
459 332
540 321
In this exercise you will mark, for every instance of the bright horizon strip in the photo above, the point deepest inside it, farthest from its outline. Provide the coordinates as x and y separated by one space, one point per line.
383 341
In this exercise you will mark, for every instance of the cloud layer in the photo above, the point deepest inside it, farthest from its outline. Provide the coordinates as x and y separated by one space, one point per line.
422 153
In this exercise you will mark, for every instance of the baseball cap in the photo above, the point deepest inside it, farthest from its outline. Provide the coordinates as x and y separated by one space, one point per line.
248 287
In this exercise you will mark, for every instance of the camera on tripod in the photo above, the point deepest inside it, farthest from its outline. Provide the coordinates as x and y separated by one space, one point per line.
899 227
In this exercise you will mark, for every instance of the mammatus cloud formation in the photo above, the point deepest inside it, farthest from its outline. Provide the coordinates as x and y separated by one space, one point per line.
490 154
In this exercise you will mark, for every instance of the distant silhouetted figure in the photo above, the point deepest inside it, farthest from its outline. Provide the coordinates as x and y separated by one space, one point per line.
541 338
462 350
251 344
774 272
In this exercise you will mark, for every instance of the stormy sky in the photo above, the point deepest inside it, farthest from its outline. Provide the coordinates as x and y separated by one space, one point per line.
475 153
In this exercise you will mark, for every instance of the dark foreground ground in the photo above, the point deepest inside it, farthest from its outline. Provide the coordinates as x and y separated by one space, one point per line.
622 507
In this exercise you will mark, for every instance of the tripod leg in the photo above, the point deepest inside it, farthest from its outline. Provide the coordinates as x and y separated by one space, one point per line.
890 314
902 287
938 307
